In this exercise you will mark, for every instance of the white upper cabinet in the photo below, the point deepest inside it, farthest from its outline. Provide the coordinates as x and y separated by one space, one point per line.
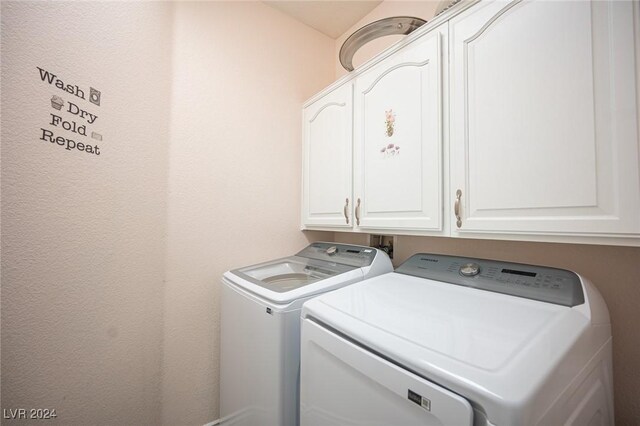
497 119
398 138
327 167
544 119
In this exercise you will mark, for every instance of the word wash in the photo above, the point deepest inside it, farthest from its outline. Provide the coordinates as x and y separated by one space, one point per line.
69 120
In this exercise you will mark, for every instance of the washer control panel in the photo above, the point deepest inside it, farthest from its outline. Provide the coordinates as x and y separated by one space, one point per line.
346 254
540 283
331 250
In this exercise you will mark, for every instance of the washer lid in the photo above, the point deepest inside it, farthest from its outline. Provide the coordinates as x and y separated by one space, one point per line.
318 261
290 273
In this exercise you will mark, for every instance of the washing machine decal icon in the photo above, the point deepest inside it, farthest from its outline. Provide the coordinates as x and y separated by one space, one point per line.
94 96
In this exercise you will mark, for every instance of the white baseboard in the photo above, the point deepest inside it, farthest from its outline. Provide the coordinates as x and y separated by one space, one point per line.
213 423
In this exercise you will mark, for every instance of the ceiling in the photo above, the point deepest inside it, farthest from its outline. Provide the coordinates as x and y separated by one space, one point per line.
330 17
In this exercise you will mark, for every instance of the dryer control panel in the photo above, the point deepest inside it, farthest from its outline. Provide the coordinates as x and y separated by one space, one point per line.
541 283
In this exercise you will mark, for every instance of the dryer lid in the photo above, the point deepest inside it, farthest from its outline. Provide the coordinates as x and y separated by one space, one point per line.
495 350
435 322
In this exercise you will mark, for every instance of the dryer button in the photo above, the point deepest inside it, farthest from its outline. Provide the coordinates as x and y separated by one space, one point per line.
470 269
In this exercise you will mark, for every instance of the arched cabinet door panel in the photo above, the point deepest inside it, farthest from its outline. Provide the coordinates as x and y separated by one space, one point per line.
398 148
544 120
327 160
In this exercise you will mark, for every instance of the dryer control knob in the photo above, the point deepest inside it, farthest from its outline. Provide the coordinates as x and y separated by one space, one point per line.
470 269
331 250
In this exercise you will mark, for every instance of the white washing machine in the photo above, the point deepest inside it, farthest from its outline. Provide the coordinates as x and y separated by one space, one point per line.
260 327
455 341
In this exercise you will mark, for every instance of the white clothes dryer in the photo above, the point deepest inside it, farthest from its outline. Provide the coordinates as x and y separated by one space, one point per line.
260 327
456 341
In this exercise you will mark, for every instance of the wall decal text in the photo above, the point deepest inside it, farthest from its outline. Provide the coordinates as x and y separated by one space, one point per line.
67 124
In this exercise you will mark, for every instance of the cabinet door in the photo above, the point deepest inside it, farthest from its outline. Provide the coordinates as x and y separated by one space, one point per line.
327 164
398 139
544 118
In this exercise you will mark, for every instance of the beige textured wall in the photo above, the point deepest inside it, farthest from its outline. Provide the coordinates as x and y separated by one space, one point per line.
240 74
111 264
82 235
420 9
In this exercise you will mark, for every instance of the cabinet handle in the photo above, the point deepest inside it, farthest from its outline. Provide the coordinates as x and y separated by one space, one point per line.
346 206
456 208
358 212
